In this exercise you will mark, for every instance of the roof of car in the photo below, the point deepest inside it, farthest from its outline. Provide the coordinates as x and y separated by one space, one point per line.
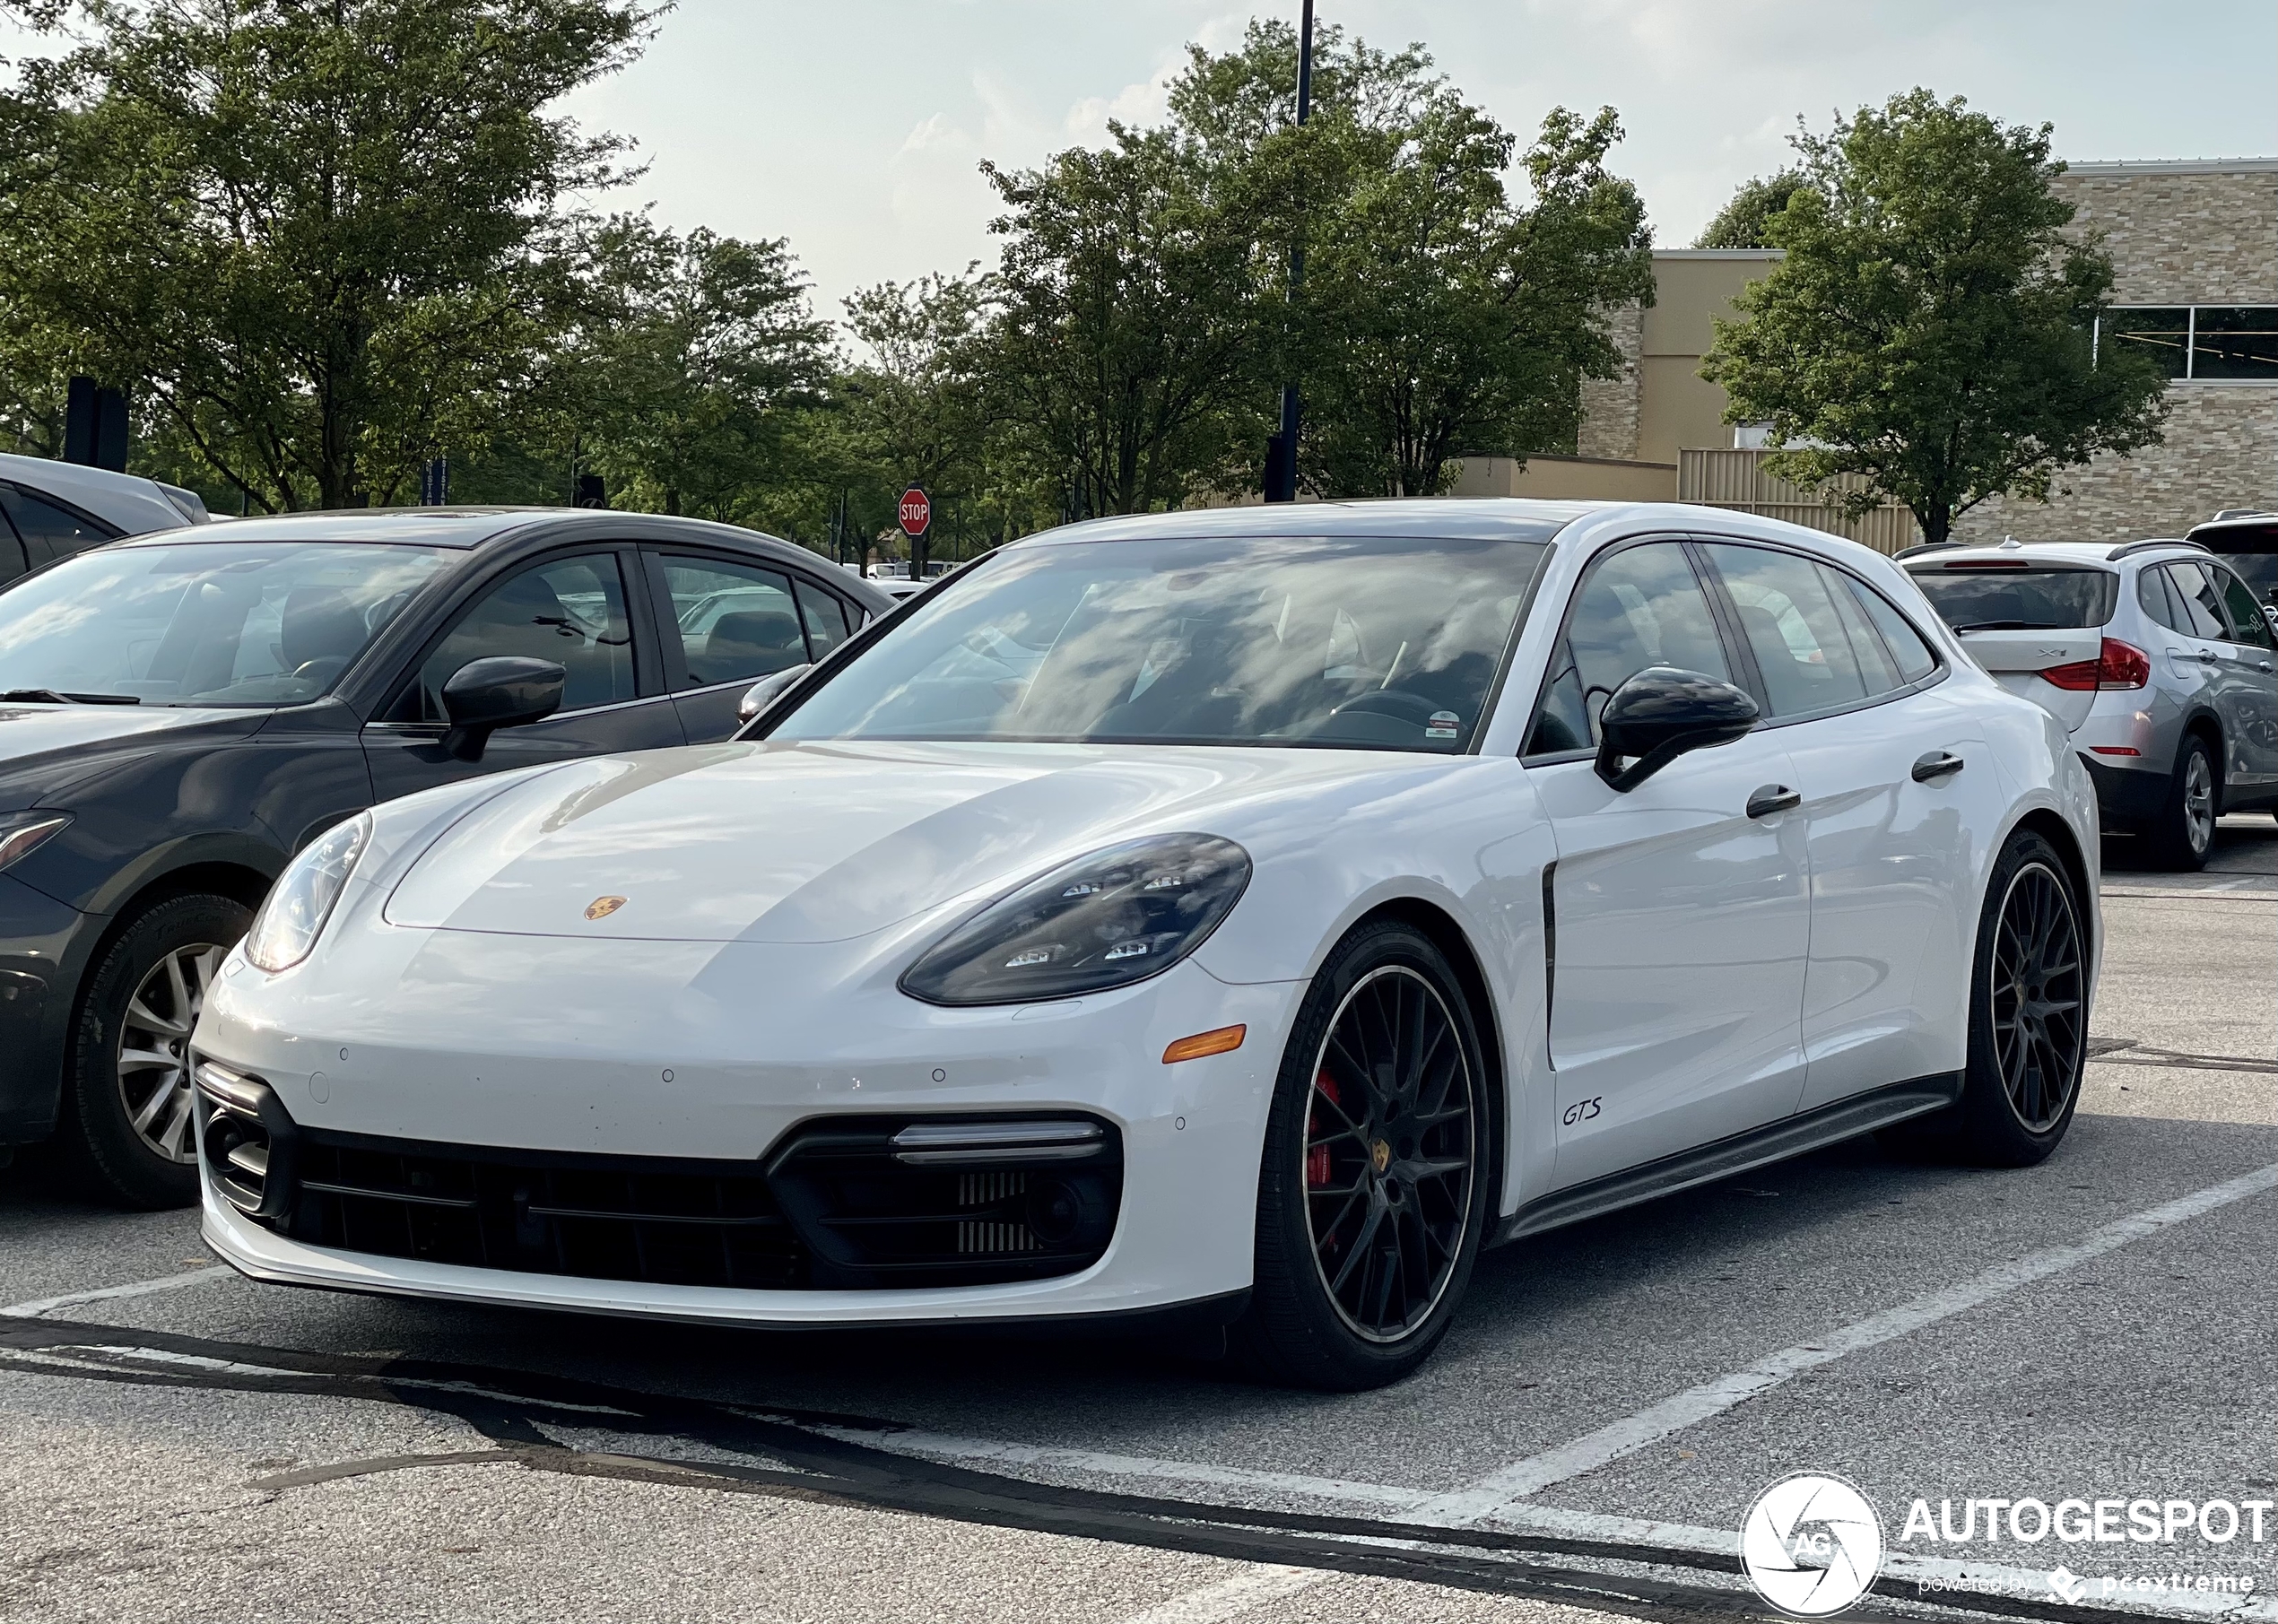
1487 518
128 502
2056 552
405 526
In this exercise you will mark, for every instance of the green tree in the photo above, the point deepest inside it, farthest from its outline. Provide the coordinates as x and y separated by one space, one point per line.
322 240
1930 326
701 349
1437 316
1741 223
1123 341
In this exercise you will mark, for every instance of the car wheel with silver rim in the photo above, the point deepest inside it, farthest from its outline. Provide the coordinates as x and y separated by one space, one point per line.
130 1112
1372 1191
2184 836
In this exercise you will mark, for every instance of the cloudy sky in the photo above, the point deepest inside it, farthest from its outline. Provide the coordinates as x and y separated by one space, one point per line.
852 126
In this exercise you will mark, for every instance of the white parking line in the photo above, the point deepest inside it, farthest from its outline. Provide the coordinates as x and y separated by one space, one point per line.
1489 1496
1214 1603
141 1287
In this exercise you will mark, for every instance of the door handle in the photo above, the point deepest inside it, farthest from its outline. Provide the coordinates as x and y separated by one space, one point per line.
1773 798
1937 764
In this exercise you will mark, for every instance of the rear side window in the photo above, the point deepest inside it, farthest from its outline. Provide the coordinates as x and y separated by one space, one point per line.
2200 602
1788 616
1913 654
2151 592
50 532
2018 597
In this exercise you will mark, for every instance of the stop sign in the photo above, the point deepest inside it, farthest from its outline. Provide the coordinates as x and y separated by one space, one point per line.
916 512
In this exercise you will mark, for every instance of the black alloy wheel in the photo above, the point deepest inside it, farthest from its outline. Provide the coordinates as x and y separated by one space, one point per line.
1373 1197
2038 986
2029 1011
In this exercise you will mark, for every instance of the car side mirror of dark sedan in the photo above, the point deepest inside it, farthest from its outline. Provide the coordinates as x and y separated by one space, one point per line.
506 690
764 692
1660 714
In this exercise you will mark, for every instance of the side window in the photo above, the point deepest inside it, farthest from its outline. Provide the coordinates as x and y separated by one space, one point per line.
736 621
825 616
2246 624
1788 616
570 610
2158 600
1913 654
2201 603
14 559
49 532
1643 606
1877 668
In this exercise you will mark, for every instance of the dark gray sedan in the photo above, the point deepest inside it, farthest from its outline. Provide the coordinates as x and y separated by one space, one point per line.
180 713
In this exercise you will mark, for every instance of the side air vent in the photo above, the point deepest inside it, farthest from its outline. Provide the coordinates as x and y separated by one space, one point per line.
244 1135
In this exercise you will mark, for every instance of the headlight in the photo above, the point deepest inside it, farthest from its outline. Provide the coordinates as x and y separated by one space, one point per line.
291 920
1106 920
21 831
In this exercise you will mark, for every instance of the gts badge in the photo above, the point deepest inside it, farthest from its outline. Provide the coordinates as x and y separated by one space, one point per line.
1582 1110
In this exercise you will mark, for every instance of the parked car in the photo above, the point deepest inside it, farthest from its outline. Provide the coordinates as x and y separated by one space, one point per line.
50 510
181 713
2154 655
2248 542
1244 915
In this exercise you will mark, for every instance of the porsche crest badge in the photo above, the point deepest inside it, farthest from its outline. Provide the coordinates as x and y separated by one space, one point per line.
600 907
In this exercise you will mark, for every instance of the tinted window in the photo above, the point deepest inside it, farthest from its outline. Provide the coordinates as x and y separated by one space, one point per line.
1352 642
570 610
1788 616
2245 615
2157 601
2017 597
2231 342
2201 603
2251 550
1643 606
273 623
48 531
1913 654
825 617
736 621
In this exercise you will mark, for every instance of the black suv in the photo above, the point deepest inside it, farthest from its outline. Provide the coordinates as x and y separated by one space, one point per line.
179 713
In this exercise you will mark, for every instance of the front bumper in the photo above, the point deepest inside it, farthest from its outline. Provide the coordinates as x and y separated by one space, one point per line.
644 1054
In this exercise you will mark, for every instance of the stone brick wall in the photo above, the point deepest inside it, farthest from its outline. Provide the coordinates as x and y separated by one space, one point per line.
2221 451
1610 406
2182 237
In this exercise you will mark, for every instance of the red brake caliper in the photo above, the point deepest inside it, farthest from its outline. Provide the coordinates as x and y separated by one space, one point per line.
1317 1160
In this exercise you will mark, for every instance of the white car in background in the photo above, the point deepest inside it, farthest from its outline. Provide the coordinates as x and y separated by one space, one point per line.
49 510
1247 914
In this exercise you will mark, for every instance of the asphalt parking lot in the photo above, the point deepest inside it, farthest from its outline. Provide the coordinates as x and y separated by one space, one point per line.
195 1446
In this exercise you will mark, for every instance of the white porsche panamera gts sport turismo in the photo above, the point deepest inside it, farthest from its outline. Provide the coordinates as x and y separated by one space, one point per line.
1242 916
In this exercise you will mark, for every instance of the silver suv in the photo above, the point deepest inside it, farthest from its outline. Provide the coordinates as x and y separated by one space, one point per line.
2154 655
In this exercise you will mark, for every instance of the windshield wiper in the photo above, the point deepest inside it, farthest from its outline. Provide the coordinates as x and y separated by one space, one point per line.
50 696
2005 626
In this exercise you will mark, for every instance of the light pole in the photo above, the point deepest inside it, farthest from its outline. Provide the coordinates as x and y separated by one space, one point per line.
1281 449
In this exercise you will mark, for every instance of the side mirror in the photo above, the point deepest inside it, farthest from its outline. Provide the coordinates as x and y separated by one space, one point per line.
506 690
764 692
1660 714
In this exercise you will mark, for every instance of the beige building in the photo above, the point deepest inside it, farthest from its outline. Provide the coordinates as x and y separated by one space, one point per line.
2195 248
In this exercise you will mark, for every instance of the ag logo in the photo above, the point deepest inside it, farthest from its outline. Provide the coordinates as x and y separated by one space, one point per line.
1811 1545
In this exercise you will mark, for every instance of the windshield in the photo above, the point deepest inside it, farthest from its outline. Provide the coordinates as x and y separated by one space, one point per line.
215 623
1385 643
2250 549
2018 597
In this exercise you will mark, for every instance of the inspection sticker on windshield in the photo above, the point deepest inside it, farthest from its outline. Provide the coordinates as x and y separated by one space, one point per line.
1444 724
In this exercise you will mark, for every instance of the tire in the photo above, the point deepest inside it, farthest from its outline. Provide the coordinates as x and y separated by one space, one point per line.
2182 832
1359 1147
2022 1080
142 1000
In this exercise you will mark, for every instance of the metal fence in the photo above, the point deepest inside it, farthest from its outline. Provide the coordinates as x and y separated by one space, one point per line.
1719 478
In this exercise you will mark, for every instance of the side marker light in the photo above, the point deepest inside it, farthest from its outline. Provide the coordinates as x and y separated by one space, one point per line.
1224 1040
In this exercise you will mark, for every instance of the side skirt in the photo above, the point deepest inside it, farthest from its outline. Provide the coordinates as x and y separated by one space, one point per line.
1774 1142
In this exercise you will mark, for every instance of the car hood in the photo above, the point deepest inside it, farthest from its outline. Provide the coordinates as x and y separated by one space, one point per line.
56 744
824 842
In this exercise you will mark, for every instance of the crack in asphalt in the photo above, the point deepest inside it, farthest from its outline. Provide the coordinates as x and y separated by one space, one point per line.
2127 1051
808 1458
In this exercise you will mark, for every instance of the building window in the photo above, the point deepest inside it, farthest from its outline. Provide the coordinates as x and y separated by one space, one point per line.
2206 344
